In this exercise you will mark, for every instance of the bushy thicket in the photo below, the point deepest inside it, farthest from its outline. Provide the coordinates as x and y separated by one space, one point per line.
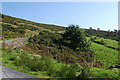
51 44
75 38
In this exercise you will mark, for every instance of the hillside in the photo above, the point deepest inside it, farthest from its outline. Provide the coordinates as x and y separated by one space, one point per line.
27 28
15 27
46 53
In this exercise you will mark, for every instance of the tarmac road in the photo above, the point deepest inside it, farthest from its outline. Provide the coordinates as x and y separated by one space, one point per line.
9 73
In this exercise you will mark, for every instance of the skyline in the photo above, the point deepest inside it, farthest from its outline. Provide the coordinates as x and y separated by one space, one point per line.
101 15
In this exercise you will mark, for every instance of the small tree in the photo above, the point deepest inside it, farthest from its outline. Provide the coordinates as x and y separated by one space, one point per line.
90 28
98 28
75 38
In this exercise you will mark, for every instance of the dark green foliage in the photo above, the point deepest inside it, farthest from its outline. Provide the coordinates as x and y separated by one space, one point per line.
77 67
104 34
93 39
75 38
66 72
44 37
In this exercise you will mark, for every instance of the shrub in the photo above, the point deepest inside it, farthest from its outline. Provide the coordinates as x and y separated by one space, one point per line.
103 42
75 38
66 72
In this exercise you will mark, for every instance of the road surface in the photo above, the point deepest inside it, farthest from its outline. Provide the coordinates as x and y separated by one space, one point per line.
9 73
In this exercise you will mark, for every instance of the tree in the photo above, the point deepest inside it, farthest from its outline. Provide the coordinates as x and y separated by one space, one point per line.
90 28
75 38
115 30
98 28
108 30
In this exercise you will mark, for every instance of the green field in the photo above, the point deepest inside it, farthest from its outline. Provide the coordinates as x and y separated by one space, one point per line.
103 54
108 42
106 56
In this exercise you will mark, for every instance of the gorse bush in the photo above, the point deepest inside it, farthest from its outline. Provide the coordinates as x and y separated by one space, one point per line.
75 38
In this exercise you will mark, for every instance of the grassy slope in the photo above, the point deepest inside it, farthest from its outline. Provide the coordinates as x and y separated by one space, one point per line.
106 56
109 42
19 22
103 54
25 25
8 61
28 32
